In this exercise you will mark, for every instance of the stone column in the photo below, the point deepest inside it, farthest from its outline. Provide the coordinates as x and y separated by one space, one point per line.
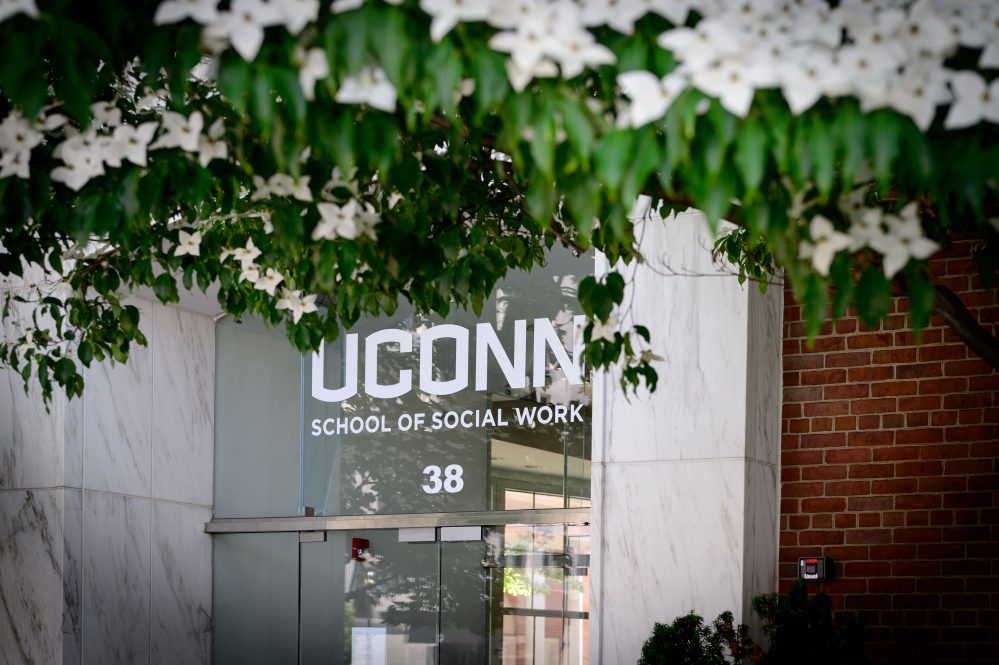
103 500
685 480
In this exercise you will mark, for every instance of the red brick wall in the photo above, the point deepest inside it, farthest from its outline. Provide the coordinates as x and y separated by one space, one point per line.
889 465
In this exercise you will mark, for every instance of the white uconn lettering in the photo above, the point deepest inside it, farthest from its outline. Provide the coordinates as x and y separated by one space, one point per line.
487 343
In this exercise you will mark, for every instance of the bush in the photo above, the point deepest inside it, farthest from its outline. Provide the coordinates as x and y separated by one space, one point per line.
801 630
687 641
804 630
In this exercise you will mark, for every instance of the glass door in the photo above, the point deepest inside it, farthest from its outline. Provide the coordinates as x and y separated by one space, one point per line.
506 595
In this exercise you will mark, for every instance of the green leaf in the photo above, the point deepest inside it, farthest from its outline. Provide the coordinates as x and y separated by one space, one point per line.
843 283
262 102
165 288
646 157
64 370
491 86
883 134
611 157
873 296
823 152
814 304
751 155
393 47
444 68
543 141
85 352
921 297
585 293
849 129
290 90
614 284
577 127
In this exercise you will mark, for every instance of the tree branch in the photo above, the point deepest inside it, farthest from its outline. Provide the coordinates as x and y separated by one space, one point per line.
949 307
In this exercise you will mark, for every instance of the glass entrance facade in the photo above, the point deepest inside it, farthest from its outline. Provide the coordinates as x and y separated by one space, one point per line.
511 594
417 492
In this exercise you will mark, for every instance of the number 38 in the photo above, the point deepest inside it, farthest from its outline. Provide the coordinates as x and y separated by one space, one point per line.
452 482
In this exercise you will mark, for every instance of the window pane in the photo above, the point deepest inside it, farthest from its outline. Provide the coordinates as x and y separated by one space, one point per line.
416 413
257 421
255 598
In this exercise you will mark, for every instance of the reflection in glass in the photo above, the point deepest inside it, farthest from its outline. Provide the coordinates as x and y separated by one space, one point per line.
519 596
500 433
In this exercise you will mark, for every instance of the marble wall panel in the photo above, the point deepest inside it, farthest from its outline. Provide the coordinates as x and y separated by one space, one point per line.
72 577
73 433
30 436
116 579
181 600
183 367
117 419
764 381
31 593
645 521
761 535
697 314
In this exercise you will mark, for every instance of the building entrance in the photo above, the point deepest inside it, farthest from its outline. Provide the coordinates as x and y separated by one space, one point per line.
510 595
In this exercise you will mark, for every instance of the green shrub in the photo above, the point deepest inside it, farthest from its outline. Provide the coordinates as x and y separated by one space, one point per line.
687 641
801 630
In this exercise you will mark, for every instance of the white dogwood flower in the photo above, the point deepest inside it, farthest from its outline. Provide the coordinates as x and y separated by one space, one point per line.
337 221
172 11
904 241
212 146
509 15
10 8
249 273
605 330
17 138
520 78
83 157
269 281
282 184
314 67
711 40
341 6
17 134
923 32
448 13
370 86
130 143
105 114
180 132
188 243
294 302
804 77
337 181
826 241
243 25
246 255
865 228
574 49
16 163
974 100
728 81
526 44
297 14
919 90
650 96
620 15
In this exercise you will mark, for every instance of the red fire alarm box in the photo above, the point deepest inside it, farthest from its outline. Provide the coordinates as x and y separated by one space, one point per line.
815 568
359 549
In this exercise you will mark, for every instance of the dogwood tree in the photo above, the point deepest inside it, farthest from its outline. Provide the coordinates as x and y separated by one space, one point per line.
317 161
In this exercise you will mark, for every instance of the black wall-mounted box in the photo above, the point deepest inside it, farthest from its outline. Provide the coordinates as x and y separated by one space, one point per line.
815 568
